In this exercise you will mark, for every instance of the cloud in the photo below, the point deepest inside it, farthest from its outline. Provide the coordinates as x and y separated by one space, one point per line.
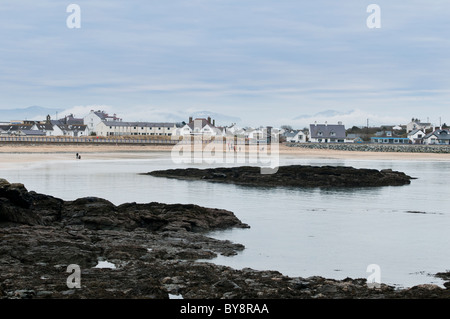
262 61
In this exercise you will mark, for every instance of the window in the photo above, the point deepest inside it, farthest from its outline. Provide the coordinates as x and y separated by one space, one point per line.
319 134
332 134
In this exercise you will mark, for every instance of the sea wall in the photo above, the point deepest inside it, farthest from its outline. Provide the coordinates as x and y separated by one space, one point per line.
375 147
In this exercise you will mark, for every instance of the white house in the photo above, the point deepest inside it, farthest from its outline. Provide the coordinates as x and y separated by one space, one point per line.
439 136
199 127
416 136
95 117
415 124
45 128
295 136
255 134
73 130
118 128
233 130
327 133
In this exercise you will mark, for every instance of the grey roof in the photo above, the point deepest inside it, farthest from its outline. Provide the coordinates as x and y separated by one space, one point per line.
326 130
440 134
71 127
140 124
17 127
414 132
292 133
68 120
101 114
41 127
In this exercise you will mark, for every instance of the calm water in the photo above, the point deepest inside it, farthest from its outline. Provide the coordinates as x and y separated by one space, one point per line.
331 233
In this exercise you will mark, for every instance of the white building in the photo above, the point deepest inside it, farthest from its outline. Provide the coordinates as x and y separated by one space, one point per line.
199 127
118 128
295 136
256 134
417 125
327 133
439 136
96 117
416 136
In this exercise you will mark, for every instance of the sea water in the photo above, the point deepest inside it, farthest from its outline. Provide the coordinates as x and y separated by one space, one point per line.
334 233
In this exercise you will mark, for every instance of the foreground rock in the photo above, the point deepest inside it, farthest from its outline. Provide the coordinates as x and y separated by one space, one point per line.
154 248
292 176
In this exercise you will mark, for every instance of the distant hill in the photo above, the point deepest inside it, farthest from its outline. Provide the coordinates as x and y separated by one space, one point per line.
28 113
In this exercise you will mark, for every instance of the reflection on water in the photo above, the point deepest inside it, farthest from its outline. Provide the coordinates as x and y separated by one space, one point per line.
334 233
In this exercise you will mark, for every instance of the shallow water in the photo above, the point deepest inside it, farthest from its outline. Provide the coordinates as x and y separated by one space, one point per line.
299 232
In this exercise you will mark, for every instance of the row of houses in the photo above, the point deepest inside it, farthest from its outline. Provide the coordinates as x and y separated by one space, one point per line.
100 123
68 126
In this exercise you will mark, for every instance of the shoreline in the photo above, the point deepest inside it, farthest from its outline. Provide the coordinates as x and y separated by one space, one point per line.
38 153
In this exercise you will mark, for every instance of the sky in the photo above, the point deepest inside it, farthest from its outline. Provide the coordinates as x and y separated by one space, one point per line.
265 62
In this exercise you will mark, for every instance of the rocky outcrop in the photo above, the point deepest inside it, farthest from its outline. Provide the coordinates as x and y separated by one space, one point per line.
155 249
292 176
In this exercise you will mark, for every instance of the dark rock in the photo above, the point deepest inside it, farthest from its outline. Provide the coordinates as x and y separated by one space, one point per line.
292 176
155 250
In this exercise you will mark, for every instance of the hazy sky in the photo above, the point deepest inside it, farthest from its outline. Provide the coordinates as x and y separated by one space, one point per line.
266 62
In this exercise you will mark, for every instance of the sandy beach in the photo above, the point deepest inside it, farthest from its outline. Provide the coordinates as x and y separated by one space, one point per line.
19 153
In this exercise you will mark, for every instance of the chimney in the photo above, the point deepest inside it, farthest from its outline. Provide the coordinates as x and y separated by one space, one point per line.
326 123
190 119
214 122
209 119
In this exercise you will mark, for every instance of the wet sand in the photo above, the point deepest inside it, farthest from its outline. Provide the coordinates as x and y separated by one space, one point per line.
19 153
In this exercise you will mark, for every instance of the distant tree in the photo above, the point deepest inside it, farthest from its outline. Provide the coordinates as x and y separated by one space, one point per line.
445 126
354 130
286 127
